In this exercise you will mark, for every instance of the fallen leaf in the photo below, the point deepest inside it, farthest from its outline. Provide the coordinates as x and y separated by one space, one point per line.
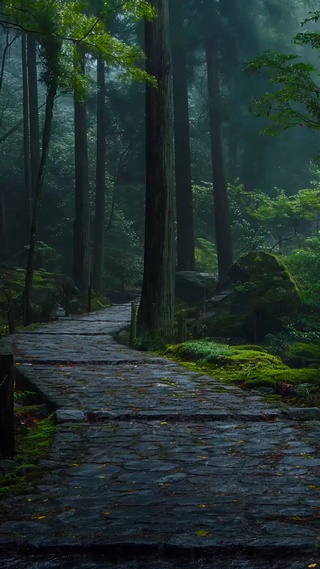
202 533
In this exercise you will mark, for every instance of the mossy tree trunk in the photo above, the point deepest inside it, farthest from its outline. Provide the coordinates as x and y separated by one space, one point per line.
184 198
156 310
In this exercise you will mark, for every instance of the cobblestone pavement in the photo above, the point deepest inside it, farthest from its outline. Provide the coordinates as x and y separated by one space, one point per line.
156 467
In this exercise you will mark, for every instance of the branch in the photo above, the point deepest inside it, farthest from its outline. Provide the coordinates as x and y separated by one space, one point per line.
283 239
8 45
103 15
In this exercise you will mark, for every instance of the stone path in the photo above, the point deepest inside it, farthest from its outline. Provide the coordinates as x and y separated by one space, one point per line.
156 467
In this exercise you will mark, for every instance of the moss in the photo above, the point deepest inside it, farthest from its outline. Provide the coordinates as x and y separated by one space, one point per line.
244 365
37 443
32 447
304 350
252 347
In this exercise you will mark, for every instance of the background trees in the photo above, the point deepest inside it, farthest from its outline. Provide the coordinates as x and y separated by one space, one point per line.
217 139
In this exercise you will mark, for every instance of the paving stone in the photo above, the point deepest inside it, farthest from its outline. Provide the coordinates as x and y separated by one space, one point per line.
69 416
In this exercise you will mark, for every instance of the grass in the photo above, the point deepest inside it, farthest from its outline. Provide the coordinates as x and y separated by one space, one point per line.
248 366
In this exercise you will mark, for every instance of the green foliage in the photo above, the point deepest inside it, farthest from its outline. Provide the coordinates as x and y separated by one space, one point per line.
64 26
205 256
294 100
304 264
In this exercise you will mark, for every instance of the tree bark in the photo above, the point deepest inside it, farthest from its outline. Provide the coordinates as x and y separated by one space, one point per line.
184 198
27 210
99 225
81 243
51 94
156 310
220 192
33 110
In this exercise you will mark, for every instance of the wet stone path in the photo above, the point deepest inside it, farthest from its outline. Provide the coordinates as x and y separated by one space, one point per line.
156 467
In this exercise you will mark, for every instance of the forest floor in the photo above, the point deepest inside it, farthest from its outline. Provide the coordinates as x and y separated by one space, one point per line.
153 466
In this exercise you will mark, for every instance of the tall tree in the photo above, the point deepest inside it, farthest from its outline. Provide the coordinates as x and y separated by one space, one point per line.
99 219
81 235
33 109
156 311
26 139
184 199
220 192
52 50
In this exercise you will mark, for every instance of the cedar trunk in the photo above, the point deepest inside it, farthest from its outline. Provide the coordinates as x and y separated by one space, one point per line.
99 225
51 94
81 241
27 201
156 311
33 110
184 198
220 191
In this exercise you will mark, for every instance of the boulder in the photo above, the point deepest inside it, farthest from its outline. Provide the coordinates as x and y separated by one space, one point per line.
192 287
263 294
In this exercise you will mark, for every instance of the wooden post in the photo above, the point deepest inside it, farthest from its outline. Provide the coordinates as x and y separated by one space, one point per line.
7 445
182 330
89 298
66 298
10 312
133 324
11 317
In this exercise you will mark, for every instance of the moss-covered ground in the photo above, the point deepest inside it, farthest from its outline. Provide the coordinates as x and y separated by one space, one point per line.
250 366
34 432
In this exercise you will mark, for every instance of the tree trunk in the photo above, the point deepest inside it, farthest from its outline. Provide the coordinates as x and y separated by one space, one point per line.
156 311
184 198
81 243
3 228
220 192
33 110
27 209
51 94
99 225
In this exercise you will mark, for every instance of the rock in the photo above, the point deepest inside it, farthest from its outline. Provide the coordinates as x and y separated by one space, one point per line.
193 287
67 285
302 413
69 416
263 293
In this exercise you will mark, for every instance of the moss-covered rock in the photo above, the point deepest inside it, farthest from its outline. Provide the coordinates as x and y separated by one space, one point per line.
264 296
245 365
